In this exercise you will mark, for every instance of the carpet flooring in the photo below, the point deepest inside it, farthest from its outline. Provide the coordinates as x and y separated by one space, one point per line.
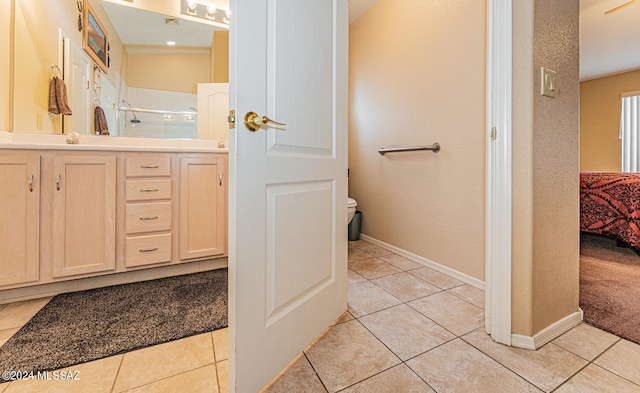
610 286
83 326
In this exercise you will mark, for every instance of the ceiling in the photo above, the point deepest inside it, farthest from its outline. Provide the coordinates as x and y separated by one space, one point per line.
609 44
137 27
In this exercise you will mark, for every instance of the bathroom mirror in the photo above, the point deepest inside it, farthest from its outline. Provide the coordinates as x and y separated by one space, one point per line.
150 87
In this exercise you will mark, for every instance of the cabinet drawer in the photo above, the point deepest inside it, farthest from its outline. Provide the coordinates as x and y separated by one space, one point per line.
147 250
148 217
147 166
141 190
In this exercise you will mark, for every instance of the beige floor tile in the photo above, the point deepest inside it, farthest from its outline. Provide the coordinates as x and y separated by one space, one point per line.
622 359
348 353
357 254
373 268
3 387
436 278
223 376
546 368
162 361
299 377
586 341
397 379
366 297
471 294
200 380
405 287
419 333
458 367
401 262
353 277
345 317
595 379
221 344
453 313
5 335
94 377
15 315
372 249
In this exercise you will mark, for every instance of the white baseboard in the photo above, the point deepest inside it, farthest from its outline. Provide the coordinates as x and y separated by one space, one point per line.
549 333
474 282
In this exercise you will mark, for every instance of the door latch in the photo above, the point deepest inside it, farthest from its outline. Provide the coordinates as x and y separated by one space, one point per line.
232 119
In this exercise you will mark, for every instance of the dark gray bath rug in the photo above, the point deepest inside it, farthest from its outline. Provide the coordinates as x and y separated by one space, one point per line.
79 327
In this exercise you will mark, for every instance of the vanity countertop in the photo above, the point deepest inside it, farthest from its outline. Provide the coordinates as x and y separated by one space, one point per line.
107 143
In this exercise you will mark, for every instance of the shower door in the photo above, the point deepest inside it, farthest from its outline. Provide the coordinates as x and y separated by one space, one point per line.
288 184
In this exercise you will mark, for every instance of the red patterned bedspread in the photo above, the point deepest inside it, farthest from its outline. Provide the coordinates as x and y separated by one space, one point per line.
610 205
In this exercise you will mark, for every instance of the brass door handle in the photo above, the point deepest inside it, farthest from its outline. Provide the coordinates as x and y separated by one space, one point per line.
253 121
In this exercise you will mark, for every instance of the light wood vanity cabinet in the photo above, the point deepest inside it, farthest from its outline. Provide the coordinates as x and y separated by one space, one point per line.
84 203
70 215
203 207
19 218
149 210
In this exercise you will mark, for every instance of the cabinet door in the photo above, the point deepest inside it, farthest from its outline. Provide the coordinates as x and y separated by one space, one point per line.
19 218
84 201
203 210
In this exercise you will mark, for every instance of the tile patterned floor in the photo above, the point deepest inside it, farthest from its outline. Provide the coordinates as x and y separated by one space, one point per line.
408 329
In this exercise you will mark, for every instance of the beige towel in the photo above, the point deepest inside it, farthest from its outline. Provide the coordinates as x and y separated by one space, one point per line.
58 102
100 122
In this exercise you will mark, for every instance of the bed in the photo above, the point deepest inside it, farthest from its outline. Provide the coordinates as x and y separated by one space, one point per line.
610 206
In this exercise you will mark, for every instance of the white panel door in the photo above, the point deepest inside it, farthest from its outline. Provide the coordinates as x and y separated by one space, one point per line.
76 77
108 100
288 185
213 107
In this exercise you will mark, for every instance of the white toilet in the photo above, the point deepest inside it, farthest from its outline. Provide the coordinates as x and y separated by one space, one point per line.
351 208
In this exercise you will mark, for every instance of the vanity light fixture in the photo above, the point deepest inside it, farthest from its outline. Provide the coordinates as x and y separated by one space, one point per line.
211 12
205 10
171 43
192 5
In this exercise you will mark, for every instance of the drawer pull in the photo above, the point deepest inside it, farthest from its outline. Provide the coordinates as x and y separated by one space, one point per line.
149 218
31 183
149 190
148 249
149 166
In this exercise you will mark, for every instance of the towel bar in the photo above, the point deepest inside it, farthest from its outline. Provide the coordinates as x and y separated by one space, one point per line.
384 150
161 112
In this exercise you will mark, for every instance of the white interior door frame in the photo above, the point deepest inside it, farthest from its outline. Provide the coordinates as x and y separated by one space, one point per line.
498 171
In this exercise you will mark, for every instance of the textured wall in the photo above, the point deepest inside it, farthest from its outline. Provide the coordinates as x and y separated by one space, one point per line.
522 187
600 146
417 76
545 254
556 202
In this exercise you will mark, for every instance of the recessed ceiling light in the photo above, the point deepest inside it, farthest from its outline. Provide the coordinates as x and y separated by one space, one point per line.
171 43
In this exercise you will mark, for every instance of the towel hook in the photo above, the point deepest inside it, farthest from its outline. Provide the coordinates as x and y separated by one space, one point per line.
56 68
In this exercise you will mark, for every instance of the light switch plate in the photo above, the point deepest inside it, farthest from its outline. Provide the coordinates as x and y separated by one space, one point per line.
547 82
